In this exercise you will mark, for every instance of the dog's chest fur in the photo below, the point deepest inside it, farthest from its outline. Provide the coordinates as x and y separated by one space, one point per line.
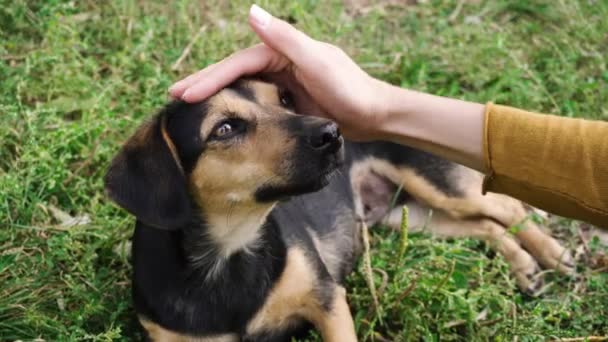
291 298
172 291
267 290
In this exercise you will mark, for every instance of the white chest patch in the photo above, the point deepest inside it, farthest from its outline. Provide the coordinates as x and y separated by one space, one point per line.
238 228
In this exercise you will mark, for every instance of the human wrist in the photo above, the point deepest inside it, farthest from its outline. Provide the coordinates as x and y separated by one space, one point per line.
391 111
383 110
450 128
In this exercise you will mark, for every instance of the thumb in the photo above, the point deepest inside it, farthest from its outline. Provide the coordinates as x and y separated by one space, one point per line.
280 35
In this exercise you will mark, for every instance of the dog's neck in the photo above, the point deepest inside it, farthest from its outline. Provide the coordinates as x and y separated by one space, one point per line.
226 228
236 227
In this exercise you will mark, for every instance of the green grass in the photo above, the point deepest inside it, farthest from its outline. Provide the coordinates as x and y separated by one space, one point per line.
78 76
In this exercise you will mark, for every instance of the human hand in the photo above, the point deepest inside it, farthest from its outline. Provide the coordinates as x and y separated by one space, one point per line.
324 80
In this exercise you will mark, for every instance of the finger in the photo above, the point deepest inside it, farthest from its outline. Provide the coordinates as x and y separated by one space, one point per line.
179 87
256 59
280 35
304 104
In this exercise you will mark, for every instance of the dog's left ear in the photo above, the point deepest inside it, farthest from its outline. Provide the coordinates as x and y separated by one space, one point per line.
147 180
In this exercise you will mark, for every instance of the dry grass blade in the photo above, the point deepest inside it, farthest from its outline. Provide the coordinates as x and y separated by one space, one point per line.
384 283
404 233
188 48
367 266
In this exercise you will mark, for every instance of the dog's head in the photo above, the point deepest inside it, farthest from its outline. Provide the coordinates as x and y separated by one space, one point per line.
243 146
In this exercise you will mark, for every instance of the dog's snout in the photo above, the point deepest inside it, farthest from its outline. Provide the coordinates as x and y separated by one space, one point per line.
327 136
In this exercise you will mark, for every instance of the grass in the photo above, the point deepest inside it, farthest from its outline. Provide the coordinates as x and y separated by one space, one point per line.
78 76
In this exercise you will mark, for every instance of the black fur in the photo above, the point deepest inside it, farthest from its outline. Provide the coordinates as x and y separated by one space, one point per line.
243 90
146 180
183 126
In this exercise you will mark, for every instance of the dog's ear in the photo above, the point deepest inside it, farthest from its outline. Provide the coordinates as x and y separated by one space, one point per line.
147 180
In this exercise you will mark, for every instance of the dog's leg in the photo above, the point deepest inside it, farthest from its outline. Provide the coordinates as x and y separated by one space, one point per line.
472 205
523 267
545 248
336 325
512 214
156 333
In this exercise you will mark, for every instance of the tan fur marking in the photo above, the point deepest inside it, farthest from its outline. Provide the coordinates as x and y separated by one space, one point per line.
169 142
160 334
265 93
338 325
293 298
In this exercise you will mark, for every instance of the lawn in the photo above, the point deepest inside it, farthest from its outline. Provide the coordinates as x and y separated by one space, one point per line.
78 76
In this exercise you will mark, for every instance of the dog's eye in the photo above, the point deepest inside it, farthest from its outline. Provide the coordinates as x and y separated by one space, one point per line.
286 99
228 129
224 129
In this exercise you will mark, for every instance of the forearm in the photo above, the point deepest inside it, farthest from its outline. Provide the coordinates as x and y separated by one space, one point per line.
449 128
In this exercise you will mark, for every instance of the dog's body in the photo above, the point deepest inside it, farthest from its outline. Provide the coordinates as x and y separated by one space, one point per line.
244 234
291 275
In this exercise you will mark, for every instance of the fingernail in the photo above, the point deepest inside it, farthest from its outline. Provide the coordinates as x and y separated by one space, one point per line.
185 95
259 16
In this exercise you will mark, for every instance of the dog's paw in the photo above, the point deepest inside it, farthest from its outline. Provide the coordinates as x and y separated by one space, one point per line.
531 283
554 256
547 251
527 273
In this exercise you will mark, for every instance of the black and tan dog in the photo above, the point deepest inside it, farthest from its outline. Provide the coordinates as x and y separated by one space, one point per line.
247 216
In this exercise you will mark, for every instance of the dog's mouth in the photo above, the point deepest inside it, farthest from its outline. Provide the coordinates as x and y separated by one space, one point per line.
307 176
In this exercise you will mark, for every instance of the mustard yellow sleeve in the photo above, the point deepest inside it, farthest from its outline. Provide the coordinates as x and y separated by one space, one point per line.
554 163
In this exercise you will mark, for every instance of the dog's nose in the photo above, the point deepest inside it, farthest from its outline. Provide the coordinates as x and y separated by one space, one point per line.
326 137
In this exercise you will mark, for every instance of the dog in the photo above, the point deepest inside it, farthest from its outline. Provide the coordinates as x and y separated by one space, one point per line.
249 216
